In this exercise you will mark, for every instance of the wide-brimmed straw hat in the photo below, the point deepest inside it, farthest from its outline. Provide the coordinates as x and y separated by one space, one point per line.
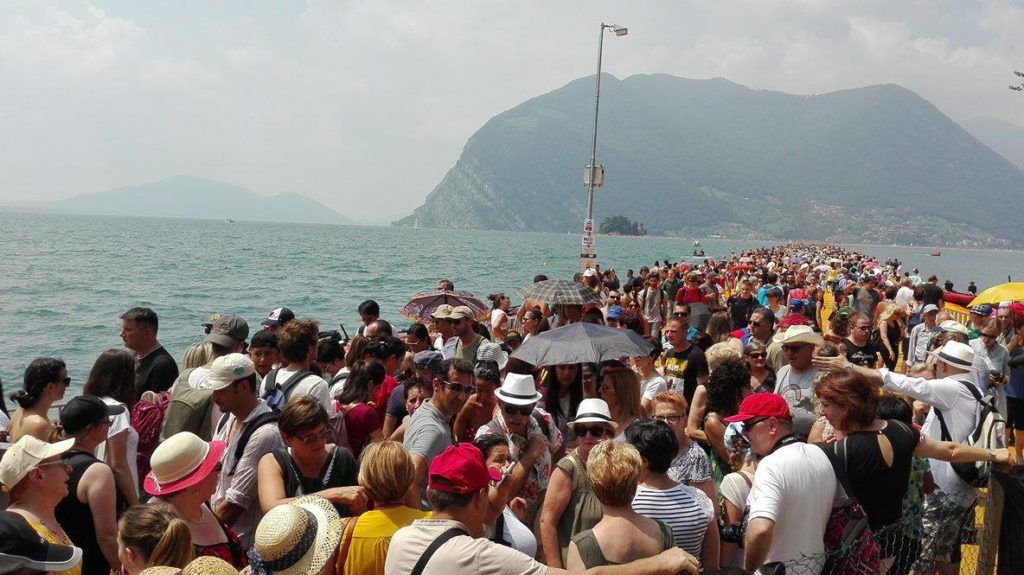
181 462
518 389
297 538
955 354
593 411
208 565
798 334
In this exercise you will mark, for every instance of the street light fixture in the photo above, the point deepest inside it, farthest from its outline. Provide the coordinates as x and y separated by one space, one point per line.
594 174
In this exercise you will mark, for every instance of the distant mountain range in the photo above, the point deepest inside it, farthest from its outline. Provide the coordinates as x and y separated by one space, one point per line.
1005 138
192 197
700 157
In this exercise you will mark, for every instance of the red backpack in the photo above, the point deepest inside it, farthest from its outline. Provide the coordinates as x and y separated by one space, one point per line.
147 418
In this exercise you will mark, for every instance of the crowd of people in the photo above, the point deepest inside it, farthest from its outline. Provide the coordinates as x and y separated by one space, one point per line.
755 429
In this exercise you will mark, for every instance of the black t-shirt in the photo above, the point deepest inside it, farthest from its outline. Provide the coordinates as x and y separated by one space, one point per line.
932 294
682 369
157 371
866 355
339 470
740 310
878 487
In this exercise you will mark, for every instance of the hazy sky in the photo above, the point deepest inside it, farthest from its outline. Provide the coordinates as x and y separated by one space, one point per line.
365 105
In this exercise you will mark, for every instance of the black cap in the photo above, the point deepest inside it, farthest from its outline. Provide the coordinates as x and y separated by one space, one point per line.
278 316
21 546
82 411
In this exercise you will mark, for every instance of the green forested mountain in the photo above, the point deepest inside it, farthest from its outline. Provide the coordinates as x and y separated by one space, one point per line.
709 156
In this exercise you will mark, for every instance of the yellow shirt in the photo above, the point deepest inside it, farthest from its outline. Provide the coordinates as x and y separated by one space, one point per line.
372 537
51 538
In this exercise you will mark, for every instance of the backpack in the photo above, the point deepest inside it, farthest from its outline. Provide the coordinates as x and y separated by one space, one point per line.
147 419
849 544
988 434
276 394
188 410
336 426
247 431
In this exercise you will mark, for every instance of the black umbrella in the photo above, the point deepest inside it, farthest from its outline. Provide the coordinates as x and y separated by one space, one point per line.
581 343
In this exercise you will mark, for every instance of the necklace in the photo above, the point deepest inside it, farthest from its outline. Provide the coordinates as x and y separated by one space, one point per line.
55 531
200 521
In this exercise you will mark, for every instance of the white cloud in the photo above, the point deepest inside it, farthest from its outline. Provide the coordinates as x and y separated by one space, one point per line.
366 104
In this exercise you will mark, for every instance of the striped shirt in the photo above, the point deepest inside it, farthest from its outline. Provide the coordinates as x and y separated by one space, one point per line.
683 508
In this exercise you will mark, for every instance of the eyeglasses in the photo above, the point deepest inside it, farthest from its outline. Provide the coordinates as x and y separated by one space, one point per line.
510 409
749 426
862 327
757 355
593 430
60 462
669 418
313 437
460 388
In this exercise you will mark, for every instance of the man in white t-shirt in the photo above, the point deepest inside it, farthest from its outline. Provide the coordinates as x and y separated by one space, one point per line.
458 493
793 491
297 344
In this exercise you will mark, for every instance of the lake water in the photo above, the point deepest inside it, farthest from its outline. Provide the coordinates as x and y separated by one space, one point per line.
66 279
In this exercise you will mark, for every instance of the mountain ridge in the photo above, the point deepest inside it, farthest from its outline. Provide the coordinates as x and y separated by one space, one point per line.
185 196
688 156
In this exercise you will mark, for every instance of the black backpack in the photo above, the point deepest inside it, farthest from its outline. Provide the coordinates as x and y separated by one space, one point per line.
247 431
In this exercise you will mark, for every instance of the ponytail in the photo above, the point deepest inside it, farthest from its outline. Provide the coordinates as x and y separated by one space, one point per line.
158 533
174 549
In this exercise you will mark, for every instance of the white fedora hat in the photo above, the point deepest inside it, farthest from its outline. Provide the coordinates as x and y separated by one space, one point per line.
518 389
956 354
594 411
799 334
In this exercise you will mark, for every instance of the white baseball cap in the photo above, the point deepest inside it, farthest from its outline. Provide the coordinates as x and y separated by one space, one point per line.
228 369
24 455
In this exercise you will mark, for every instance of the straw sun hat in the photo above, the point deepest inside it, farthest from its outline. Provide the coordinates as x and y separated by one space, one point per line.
297 538
180 462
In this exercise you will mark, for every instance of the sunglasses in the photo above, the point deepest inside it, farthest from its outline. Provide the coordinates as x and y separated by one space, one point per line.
669 418
755 323
758 355
510 409
681 314
459 388
749 426
593 430
66 381
793 348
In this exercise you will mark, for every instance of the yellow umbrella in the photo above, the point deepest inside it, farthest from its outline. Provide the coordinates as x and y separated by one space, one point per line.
1013 291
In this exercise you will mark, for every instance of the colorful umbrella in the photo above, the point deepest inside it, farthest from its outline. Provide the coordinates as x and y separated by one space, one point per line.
581 343
559 292
423 304
1013 291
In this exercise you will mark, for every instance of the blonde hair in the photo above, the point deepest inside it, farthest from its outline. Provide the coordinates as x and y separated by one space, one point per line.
158 533
627 391
614 470
718 353
386 470
197 355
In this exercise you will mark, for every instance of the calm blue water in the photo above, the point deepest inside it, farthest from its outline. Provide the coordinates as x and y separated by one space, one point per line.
66 279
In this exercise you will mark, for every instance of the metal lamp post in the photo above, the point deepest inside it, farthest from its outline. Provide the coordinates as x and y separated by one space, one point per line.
594 174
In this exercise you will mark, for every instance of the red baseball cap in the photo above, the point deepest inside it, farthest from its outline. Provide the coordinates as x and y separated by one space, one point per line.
461 470
762 405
